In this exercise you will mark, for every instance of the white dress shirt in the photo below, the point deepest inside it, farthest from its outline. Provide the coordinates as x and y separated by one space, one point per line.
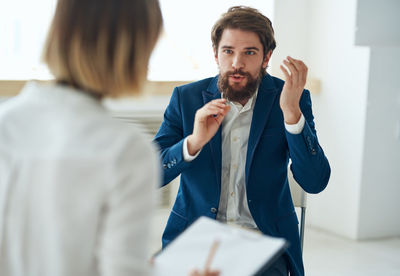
76 187
233 207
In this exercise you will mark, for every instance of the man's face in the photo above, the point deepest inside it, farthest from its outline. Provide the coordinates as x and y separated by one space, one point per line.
241 61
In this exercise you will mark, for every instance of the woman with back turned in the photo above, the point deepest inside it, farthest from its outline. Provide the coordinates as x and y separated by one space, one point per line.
76 186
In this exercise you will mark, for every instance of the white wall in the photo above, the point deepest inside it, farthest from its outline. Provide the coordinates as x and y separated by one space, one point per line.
290 26
379 203
340 111
327 47
380 189
378 23
353 47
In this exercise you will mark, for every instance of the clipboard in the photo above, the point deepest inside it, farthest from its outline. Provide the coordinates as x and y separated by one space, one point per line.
241 252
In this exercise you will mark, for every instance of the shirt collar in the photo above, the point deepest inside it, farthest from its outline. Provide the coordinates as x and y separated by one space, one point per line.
248 106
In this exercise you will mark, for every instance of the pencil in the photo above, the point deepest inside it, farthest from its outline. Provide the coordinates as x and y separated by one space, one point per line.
211 254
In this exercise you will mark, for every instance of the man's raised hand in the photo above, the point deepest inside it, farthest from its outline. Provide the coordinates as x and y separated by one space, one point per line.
206 123
295 80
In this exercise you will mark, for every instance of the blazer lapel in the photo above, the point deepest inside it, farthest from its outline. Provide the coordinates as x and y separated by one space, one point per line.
267 95
213 93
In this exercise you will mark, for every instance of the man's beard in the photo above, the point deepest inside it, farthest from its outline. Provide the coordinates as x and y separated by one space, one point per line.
238 94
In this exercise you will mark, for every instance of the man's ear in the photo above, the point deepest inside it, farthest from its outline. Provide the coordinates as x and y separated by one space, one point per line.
216 55
266 59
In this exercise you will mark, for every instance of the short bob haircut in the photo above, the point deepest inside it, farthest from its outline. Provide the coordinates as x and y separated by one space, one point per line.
103 46
245 19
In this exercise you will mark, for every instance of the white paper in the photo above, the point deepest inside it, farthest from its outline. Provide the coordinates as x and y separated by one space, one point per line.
240 252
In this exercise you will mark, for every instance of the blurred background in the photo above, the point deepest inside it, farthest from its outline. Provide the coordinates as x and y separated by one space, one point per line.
352 49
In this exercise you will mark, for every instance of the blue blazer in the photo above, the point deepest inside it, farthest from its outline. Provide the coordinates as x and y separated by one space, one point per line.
269 148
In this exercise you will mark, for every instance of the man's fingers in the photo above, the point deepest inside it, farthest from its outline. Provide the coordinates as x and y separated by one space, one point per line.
220 117
291 66
287 75
207 272
293 71
194 272
218 105
301 69
296 63
303 77
216 109
212 110
218 101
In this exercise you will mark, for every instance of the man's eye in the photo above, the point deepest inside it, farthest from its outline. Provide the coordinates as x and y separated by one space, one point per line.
250 53
228 51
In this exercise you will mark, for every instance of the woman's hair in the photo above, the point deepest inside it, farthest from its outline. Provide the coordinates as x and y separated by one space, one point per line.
245 19
103 46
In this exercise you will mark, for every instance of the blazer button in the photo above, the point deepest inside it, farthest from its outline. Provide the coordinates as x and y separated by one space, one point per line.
213 210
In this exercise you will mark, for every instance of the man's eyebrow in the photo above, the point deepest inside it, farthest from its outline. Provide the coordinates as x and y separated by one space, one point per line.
252 48
247 48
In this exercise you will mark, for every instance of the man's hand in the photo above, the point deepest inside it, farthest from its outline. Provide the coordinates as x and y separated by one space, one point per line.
206 123
292 89
195 272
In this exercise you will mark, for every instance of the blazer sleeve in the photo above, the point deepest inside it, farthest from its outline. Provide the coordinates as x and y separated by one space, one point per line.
170 139
310 166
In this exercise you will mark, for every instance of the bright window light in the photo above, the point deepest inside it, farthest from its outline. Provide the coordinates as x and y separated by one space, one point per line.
184 51
23 29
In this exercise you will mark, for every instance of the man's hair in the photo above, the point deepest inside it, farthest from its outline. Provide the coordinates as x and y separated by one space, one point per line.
103 46
246 19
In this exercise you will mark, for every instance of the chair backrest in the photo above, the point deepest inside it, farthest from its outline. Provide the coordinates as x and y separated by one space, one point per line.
298 195
299 198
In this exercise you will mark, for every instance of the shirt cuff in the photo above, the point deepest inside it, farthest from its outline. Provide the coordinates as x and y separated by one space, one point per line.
296 128
186 156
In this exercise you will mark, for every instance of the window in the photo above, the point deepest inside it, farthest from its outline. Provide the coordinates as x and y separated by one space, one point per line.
184 51
23 29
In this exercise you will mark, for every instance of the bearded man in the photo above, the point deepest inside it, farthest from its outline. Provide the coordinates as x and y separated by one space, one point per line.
230 138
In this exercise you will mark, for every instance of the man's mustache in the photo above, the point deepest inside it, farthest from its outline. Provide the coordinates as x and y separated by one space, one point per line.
238 72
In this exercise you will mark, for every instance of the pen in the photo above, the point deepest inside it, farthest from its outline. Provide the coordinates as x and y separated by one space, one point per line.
211 254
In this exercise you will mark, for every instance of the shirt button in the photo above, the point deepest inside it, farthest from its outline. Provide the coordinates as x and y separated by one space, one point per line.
213 210
234 166
234 139
232 194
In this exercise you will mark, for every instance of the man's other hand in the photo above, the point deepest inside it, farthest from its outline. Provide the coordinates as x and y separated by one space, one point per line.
204 273
206 124
295 80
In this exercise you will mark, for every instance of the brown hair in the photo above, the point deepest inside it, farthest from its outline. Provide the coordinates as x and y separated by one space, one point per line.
103 46
246 19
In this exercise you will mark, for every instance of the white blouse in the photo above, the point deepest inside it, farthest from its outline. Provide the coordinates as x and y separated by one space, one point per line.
76 187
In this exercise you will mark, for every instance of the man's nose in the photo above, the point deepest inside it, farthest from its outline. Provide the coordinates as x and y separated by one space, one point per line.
237 62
